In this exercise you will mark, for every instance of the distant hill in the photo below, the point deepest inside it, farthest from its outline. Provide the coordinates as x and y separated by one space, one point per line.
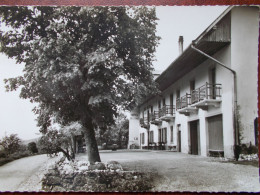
25 142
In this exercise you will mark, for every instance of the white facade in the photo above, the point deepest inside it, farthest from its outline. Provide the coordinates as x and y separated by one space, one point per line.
207 125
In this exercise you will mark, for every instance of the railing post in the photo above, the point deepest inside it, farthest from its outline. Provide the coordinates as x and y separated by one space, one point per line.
206 90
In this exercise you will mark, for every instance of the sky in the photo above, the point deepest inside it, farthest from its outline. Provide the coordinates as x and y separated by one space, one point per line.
16 114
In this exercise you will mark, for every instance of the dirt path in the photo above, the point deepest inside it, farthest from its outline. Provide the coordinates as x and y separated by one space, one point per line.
183 172
24 174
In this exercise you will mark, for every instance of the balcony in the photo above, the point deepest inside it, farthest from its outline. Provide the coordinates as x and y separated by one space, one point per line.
167 113
144 122
206 95
184 105
155 118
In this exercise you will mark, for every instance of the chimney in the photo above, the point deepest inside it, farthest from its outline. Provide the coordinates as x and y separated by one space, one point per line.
180 44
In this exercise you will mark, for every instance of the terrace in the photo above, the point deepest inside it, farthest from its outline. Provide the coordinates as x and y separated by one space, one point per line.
167 113
184 105
144 122
206 95
155 118
203 97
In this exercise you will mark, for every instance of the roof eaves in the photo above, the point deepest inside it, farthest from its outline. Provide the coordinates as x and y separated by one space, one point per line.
195 41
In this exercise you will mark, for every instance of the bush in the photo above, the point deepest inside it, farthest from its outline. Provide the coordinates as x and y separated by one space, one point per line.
32 147
5 160
249 149
12 157
3 154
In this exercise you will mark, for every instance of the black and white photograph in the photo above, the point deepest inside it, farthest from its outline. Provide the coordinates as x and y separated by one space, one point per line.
129 98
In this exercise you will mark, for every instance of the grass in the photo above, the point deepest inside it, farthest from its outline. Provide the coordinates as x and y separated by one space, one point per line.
12 157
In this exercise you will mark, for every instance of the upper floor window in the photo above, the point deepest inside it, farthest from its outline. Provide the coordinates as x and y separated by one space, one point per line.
171 99
192 85
177 95
163 101
142 138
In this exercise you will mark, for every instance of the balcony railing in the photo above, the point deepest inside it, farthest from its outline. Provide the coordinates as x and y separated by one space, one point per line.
155 118
144 122
183 101
155 115
167 110
207 91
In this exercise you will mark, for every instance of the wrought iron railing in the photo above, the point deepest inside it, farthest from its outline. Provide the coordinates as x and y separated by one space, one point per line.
207 91
167 110
144 121
155 115
183 101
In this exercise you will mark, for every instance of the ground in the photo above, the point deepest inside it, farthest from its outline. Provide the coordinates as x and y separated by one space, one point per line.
24 174
175 171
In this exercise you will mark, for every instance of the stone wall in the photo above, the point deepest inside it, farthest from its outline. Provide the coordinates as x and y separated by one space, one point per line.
81 176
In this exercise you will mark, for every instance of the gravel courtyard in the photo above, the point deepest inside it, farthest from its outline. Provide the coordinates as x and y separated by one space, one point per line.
172 171
183 172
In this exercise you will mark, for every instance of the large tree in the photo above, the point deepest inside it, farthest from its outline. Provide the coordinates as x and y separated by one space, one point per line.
80 62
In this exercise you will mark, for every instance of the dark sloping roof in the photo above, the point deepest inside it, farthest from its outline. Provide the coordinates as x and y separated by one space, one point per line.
213 39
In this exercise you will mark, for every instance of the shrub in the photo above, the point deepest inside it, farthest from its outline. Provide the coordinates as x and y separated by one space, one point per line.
32 147
11 143
3 154
249 149
5 160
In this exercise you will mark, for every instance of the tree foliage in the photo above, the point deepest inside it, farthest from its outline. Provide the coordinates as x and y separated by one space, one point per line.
81 62
116 133
11 143
32 147
55 141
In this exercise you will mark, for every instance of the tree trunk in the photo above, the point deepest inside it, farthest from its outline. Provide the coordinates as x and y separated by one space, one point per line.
91 144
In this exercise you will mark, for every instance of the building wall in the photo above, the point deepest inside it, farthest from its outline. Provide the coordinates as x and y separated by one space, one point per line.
201 76
240 55
244 48
134 129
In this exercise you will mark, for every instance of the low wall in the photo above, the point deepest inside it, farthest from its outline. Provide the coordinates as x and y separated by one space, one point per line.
80 176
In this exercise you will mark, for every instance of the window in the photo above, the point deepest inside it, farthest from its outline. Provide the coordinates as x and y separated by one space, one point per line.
172 134
159 105
164 135
163 101
151 138
177 95
213 82
142 138
171 99
192 85
159 135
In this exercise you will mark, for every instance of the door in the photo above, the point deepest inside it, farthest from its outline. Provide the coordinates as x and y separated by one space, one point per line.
179 137
213 82
215 132
194 137
170 111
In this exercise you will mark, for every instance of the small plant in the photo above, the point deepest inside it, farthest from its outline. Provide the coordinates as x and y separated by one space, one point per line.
251 149
237 151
